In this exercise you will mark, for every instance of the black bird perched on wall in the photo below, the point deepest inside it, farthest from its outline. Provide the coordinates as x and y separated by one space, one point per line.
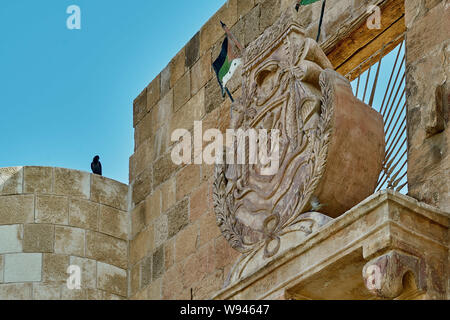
96 166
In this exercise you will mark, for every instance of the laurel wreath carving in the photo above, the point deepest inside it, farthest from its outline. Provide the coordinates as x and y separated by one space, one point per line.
223 200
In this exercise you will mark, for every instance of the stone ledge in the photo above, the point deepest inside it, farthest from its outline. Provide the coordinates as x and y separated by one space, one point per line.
329 263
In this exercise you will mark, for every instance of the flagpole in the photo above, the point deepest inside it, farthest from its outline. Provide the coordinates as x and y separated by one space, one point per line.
321 19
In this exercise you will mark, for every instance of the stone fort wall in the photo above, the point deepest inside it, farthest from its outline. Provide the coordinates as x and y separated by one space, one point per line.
51 218
158 237
176 248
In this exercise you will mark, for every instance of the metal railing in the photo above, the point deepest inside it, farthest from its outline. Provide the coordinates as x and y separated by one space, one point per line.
379 81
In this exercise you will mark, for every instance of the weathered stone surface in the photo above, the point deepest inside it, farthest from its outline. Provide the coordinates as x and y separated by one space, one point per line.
190 112
139 107
201 73
46 291
177 67
72 183
186 242
146 272
158 263
1 268
178 217
38 238
165 80
83 214
168 194
252 25
106 249
23 267
54 268
187 180
153 92
16 291
182 91
88 271
73 295
135 278
52 209
109 192
16 209
213 96
69 241
161 230
192 50
38 179
142 245
11 180
113 222
11 239
112 279
142 185
163 169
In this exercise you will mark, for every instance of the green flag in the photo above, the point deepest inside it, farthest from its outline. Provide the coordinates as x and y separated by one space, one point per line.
304 3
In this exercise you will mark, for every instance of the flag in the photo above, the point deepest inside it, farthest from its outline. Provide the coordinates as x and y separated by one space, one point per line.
304 3
228 61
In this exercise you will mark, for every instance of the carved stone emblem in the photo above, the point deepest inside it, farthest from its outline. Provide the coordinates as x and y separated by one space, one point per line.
331 148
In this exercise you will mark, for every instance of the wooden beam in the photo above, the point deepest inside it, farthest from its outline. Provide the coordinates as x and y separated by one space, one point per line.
364 42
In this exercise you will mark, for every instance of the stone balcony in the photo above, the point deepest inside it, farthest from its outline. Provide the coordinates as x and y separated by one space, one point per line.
390 246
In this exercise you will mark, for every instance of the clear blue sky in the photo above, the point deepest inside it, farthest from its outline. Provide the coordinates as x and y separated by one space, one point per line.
66 95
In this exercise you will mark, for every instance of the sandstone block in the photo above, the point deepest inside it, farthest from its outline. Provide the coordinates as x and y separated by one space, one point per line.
201 72
153 205
208 229
142 245
177 67
165 80
135 277
52 209
193 110
213 96
54 268
106 249
1 268
38 179
153 92
23 267
88 271
144 129
69 241
187 180
73 295
158 263
46 291
113 222
168 194
178 217
161 230
192 50
139 107
181 91
11 180
154 290
163 170
16 291
109 192
186 242
142 186
16 209
252 28
146 272
11 239
112 279
72 183
200 201
83 214
138 222
212 30
38 238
